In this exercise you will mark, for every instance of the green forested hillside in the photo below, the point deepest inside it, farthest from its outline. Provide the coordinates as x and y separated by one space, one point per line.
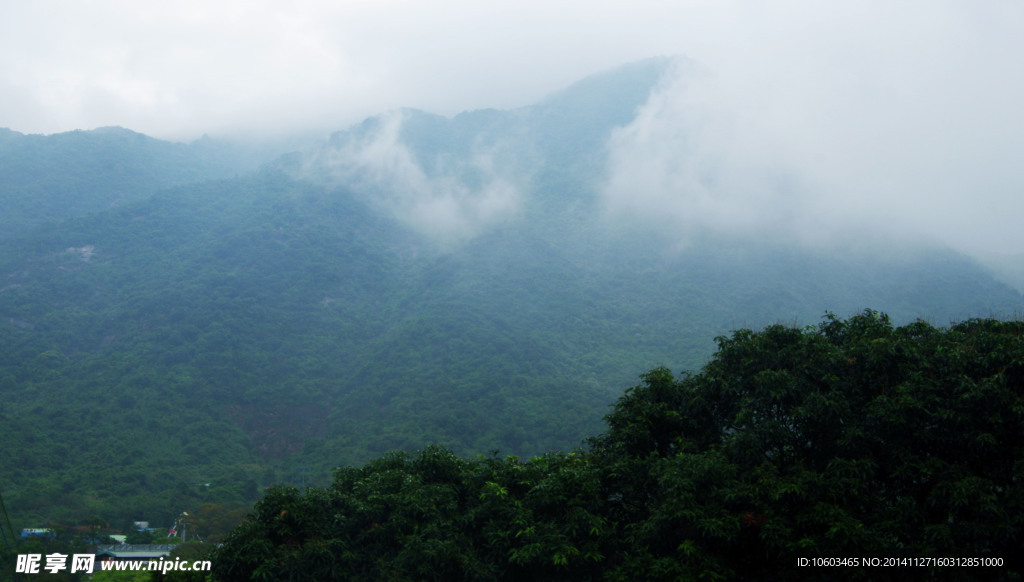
201 341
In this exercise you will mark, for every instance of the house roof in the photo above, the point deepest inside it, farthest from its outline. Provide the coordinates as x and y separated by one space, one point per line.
136 551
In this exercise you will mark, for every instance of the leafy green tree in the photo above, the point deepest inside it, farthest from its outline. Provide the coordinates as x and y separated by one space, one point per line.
428 516
852 439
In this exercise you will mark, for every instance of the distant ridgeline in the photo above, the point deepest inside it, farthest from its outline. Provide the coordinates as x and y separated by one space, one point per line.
47 179
413 280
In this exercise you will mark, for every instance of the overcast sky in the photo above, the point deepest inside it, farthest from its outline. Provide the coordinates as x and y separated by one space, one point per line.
910 107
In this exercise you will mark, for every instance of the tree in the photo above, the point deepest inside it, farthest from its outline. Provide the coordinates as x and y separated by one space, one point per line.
854 438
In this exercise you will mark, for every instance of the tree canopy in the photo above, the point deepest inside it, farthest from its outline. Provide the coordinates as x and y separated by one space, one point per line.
851 439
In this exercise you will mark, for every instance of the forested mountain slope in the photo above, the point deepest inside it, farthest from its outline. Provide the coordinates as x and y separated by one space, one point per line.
413 280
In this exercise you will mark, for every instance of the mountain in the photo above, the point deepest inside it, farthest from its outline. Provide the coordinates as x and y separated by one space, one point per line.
48 178
414 279
1008 268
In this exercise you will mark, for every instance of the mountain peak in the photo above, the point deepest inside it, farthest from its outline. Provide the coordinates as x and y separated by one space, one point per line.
629 82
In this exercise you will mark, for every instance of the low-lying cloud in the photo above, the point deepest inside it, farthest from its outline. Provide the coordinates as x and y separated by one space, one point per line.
908 126
441 204
687 165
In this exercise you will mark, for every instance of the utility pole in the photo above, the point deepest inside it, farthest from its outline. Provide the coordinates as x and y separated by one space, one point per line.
301 477
6 532
184 524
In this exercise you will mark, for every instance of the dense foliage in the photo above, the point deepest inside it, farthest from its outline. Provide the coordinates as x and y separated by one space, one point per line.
853 439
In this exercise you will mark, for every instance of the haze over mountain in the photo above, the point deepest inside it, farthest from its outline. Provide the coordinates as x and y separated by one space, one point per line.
490 281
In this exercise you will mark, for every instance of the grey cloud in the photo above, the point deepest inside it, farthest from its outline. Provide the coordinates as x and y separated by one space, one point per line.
689 167
440 204
905 124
